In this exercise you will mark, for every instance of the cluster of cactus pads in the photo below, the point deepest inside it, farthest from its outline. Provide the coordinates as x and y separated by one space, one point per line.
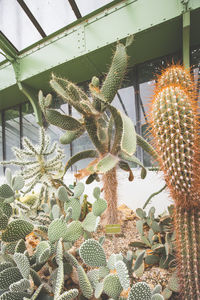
175 126
20 264
111 131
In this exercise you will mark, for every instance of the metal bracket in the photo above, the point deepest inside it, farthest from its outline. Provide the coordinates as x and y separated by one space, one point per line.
31 95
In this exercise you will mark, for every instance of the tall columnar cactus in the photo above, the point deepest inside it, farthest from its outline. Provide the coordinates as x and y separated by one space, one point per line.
112 133
175 128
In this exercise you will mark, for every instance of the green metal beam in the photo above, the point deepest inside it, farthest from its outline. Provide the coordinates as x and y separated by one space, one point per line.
186 39
5 45
84 49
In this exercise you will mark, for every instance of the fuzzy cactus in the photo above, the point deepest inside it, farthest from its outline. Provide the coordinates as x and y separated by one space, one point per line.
113 134
175 125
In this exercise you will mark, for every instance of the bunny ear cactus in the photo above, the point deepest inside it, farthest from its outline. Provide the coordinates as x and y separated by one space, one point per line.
113 134
175 124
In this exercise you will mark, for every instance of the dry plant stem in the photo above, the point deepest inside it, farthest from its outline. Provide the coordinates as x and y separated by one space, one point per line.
110 194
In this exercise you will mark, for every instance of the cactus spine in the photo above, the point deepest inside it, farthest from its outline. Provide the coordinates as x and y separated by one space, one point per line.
175 128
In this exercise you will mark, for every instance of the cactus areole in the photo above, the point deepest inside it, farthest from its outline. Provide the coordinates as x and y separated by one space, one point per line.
175 128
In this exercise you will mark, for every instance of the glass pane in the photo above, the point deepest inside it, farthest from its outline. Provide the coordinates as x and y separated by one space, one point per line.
88 6
146 92
50 14
30 128
16 26
12 133
125 102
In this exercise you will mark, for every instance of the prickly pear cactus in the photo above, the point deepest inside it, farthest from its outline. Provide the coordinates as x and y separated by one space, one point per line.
114 137
175 124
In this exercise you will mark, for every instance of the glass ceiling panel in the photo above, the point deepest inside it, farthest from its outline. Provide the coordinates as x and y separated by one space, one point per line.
16 26
88 6
51 15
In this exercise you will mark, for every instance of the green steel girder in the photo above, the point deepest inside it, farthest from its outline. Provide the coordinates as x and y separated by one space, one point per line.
186 39
84 49
5 45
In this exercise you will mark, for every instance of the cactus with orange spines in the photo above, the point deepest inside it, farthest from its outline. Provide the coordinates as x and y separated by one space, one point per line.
175 125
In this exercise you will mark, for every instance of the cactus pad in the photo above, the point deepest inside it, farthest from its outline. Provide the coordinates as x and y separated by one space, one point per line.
17 230
112 286
92 253
139 291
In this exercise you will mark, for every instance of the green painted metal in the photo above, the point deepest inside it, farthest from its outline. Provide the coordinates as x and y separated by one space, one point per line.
84 48
10 51
31 95
186 39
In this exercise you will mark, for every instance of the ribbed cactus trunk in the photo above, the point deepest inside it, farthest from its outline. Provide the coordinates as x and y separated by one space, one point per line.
175 128
187 224
110 193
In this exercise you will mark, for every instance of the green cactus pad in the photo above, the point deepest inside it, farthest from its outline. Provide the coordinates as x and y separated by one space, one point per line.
122 273
68 295
107 163
93 276
79 189
97 192
98 290
59 252
35 277
92 253
43 252
14 296
112 286
18 182
90 222
59 281
70 136
103 272
20 246
16 230
5 265
84 283
128 141
63 121
76 208
157 297
99 206
139 291
112 261
62 194
3 220
8 176
9 276
71 259
20 286
116 73
73 232
56 230
6 191
6 208
23 264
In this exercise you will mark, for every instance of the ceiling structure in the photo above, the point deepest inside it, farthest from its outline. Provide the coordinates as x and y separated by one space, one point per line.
76 40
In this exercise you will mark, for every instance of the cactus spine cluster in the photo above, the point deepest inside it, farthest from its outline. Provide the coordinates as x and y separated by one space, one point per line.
175 128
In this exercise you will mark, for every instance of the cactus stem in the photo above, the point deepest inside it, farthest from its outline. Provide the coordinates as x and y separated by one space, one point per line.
110 194
188 251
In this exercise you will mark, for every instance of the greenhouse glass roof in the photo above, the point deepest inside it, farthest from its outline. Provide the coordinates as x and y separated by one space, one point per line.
25 22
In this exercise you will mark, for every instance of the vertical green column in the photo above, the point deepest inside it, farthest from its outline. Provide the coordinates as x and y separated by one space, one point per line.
186 39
